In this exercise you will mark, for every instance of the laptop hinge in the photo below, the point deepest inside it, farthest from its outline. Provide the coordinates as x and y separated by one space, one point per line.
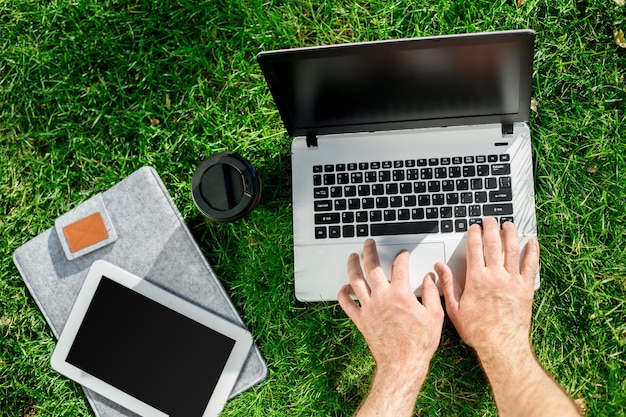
507 129
311 141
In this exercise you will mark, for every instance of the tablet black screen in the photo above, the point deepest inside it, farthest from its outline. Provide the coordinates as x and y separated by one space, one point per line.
149 351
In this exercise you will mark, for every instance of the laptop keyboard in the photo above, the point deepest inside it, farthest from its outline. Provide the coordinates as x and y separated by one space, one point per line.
414 196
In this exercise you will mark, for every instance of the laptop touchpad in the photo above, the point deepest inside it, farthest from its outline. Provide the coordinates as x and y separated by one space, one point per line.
422 259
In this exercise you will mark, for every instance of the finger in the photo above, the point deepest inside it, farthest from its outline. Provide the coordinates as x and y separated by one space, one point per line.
430 294
355 276
348 305
373 270
530 262
449 286
511 247
475 252
400 277
492 242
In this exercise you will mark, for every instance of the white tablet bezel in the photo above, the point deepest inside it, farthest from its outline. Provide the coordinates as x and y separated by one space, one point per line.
99 269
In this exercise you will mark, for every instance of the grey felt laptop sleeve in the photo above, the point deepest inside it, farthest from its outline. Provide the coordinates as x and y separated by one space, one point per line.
147 237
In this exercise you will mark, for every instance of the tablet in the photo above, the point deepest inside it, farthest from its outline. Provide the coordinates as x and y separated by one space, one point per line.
147 349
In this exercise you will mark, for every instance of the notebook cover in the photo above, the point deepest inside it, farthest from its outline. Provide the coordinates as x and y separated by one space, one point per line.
151 240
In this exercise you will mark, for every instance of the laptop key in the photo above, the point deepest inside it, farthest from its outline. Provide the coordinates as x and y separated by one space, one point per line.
340 204
389 215
382 202
467 198
419 187
320 192
395 201
334 232
404 214
327 218
356 177
497 209
323 205
405 228
378 189
480 196
410 201
454 172
460 225
363 190
447 185
406 188
426 173
347 217
469 171
482 170
348 231
391 188
460 211
447 226
362 230
503 194
354 204
320 232
361 217
417 213
445 212
476 220
370 176
349 191
500 169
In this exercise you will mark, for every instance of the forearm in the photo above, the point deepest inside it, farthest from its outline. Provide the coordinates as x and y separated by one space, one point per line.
393 392
521 387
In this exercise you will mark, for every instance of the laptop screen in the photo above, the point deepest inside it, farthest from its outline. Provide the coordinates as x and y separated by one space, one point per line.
452 80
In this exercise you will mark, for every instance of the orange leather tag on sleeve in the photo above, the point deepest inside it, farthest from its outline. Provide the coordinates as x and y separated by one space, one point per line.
85 232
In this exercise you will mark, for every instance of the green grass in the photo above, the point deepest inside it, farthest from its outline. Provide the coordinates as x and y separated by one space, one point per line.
92 90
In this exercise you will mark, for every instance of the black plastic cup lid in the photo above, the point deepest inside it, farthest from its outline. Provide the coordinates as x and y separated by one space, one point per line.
225 187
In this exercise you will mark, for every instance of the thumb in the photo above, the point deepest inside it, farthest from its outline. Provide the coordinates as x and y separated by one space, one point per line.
449 286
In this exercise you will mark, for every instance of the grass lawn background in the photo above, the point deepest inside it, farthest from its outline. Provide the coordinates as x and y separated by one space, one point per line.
92 90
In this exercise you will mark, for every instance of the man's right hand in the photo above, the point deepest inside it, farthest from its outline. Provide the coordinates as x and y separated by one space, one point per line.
495 306
492 313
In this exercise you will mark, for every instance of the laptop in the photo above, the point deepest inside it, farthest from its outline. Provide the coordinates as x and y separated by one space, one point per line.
408 142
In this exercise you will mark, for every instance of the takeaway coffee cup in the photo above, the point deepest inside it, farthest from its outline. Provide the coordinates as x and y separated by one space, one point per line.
225 187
